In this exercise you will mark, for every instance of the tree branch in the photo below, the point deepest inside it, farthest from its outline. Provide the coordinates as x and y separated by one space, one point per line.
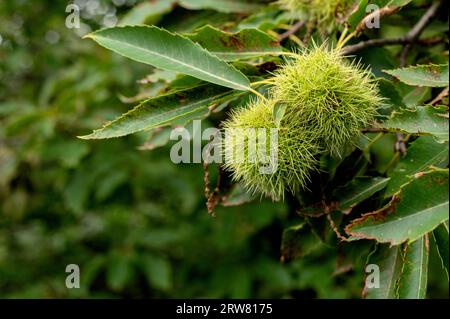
408 38
441 95
291 31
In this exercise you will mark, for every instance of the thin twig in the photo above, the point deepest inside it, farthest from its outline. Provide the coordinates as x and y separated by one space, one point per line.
207 190
430 41
212 197
439 98
404 54
408 38
291 31
372 43
335 229
385 11
374 130
415 32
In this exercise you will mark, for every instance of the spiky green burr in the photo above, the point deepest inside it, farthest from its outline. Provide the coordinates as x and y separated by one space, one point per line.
297 154
324 13
328 101
331 98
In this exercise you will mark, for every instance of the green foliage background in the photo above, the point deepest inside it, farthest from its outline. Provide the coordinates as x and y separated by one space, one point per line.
135 223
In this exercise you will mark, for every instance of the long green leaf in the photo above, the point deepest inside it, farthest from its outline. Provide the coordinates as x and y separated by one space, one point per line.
389 261
345 198
358 190
417 209
165 50
425 120
162 110
413 279
422 75
440 235
245 44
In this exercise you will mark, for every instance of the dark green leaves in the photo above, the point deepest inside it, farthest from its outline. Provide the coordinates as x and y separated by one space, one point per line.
441 237
412 283
348 196
422 154
298 241
402 271
422 75
245 44
419 208
389 262
389 91
162 110
358 190
165 50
